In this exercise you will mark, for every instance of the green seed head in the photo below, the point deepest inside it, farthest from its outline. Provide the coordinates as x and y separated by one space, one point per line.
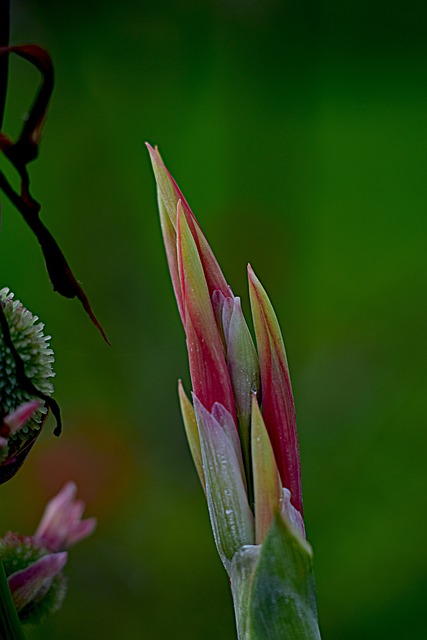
33 347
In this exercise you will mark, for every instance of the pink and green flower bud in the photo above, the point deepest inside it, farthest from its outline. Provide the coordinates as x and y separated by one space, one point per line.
266 481
278 408
192 432
208 368
250 474
231 517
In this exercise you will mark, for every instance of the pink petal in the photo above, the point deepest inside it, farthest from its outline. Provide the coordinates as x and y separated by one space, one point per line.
208 368
80 530
26 584
170 194
276 392
61 525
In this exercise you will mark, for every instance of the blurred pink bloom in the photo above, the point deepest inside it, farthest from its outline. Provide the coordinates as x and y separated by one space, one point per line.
61 525
33 564
33 582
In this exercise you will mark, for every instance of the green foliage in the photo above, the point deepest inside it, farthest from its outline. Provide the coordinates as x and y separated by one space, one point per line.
273 587
283 595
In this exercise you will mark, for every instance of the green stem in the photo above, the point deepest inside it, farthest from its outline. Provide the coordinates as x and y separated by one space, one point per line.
242 569
10 627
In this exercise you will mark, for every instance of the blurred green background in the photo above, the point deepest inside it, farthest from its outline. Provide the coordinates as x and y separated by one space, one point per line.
298 132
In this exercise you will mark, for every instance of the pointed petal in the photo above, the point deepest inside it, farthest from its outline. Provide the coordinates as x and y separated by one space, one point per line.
208 369
61 526
192 432
242 362
230 515
267 490
169 240
168 189
80 530
277 399
171 194
55 516
25 585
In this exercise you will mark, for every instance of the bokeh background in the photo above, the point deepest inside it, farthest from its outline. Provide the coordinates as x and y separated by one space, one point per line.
298 132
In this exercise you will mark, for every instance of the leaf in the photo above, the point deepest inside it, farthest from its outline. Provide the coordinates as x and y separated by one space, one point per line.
230 515
283 595
192 432
267 491
209 373
278 408
170 194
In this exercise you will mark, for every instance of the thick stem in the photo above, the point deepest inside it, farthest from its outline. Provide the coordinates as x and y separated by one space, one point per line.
273 587
241 573
10 627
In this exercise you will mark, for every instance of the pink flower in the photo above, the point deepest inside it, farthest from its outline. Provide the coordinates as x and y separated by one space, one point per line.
278 407
61 525
33 564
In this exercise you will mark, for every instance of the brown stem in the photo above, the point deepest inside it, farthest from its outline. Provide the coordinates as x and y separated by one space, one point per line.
4 62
